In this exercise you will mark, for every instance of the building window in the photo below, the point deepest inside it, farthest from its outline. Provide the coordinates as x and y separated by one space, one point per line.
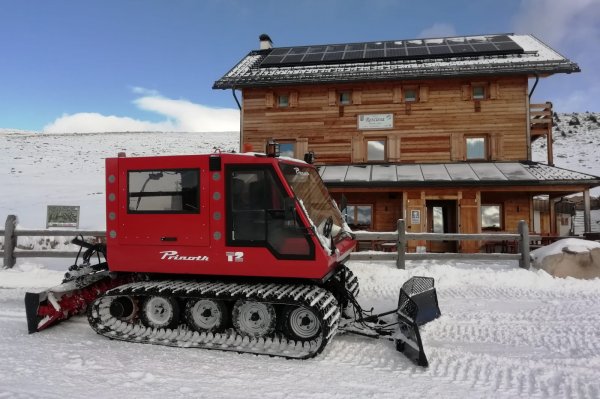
491 217
283 100
376 150
287 149
476 148
478 92
410 95
345 98
359 217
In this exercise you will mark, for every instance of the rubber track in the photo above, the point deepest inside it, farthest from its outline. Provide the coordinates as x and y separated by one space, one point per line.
316 298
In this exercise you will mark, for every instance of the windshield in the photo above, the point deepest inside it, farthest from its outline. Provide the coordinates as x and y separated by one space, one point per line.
313 196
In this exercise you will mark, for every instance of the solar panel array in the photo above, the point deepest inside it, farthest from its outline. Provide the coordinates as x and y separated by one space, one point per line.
392 50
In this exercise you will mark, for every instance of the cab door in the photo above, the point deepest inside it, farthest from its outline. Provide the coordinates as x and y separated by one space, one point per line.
162 202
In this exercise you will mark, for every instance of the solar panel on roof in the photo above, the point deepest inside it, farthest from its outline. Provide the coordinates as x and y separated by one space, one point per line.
313 57
508 46
461 48
353 55
396 44
316 49
331 56
279 51
374 54
355 46
335 48
484 47
374 46
395 52
293 58
392 50
500 38
439 49
416 51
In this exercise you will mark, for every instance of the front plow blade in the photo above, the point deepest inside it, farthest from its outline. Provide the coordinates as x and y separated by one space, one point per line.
45 309
417 305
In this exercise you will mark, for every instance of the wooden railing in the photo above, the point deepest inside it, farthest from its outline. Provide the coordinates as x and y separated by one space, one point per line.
400 237
540 122
11 251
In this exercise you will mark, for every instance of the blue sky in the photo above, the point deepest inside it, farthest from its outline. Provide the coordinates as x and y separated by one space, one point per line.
98 65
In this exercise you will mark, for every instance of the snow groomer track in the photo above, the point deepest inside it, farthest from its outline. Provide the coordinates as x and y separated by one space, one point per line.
317 299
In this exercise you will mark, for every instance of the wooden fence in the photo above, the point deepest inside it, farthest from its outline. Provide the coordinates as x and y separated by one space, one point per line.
400 237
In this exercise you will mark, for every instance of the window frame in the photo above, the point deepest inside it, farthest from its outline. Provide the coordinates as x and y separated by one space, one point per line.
340 101
385 149
180 193
355 215
500 226
264 243
281 104
287 142
486 145
415 89
483 87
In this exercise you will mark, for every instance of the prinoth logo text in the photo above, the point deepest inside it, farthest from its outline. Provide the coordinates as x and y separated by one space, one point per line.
173 255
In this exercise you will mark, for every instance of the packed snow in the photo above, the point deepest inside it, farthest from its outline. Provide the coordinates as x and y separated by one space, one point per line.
504 332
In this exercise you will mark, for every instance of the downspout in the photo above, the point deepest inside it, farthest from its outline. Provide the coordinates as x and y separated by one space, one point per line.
241 117
537 79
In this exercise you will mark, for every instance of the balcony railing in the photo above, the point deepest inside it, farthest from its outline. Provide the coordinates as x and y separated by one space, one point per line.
540 120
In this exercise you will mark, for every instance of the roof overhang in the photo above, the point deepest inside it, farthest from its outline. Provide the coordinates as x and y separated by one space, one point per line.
466 174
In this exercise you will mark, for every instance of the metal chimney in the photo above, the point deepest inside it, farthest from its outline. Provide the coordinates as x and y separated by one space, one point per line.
265 42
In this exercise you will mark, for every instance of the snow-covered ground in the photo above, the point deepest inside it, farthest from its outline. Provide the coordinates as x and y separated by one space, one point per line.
504 332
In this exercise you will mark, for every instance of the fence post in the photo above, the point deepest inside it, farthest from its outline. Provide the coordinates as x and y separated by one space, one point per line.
401 244
10 241
524 244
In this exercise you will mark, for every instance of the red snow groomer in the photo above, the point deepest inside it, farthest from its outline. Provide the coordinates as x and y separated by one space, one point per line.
238 252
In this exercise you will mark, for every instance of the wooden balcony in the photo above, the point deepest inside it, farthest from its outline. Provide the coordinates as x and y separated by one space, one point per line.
540 121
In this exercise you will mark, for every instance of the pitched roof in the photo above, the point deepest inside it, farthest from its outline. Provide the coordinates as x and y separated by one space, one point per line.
397 60
452 174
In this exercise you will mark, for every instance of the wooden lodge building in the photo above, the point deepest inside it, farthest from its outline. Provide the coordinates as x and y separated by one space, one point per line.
435 131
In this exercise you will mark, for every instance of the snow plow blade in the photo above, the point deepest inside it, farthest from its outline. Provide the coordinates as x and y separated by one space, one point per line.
47 308
417 305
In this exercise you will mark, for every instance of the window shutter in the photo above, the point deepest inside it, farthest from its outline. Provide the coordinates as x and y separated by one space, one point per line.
332 97
494 91
269 100
356 97
466 92
293 99
423 93
397 94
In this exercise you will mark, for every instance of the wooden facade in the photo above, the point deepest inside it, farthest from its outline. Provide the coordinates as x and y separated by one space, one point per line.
421 118
431 129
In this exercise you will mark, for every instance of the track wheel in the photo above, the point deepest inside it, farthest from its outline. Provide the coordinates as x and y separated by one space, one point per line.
254 319
301 324
206 315
160 312
123 308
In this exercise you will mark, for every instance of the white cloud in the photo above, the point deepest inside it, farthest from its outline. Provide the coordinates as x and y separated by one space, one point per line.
180 116
559 21
572 28
438 29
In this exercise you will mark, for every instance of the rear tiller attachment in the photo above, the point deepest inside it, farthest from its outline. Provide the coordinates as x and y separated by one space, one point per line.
417 305
81 285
